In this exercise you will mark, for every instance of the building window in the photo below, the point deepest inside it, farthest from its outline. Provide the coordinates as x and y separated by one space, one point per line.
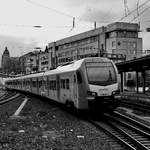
119 43
113 43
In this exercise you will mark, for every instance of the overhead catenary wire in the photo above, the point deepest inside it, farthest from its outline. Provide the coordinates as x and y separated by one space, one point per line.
140 13
138 7
126 7
134 10
54 10
74 19
62 13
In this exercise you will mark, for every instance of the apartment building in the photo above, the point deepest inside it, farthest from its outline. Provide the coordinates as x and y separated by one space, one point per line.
118 41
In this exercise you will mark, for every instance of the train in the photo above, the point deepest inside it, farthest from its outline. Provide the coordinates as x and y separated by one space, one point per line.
85 84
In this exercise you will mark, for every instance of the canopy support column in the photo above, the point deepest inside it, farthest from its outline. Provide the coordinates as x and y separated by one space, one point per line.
122 82
137 82
144 80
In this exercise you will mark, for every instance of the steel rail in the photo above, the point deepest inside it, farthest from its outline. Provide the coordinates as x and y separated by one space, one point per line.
109 131
144 127
140 138
138 106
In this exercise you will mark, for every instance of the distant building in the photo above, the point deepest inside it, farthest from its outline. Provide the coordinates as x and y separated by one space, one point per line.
122 38
31 62
118 41
10 65
146 52
52 48
43 61
5 61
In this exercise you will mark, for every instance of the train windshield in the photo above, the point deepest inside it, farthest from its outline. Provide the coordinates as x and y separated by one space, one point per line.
101 73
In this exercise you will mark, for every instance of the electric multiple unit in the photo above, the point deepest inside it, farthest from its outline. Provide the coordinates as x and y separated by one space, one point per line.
89 83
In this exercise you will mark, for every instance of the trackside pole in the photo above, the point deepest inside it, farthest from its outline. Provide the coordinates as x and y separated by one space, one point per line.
20 107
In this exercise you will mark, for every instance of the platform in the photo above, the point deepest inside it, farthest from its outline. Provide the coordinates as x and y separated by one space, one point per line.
129 95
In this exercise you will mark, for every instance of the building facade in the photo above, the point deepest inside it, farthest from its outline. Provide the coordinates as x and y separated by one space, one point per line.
32 62
118 41
44 61
122 38
10 65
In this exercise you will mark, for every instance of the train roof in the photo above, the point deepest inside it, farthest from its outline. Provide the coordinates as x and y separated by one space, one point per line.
72 66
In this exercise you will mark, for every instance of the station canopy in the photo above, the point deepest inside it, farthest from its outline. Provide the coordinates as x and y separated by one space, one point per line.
137 64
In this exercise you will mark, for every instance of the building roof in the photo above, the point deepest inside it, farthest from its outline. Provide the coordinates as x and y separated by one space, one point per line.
123 26
82 35
6 52
138 64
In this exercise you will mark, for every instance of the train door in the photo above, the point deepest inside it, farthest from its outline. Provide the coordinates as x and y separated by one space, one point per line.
58 87
62 92
75 90
39 85
44 87
81 91
47 92
37 80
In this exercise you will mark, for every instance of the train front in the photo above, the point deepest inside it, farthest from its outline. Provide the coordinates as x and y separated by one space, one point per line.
102 77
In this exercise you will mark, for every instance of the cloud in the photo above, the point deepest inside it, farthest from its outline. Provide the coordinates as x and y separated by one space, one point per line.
76 3
95 14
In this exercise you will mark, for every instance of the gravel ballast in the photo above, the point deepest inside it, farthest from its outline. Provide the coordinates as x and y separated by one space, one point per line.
41 126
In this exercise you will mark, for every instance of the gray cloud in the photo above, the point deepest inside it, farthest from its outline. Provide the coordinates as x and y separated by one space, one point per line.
98 15
76 3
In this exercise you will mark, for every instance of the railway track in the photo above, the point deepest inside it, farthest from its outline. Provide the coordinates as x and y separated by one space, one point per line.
137 105
3 94
8 96
128 133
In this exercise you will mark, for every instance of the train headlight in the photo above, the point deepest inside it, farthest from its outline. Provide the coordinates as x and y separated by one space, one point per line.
90 93
116 92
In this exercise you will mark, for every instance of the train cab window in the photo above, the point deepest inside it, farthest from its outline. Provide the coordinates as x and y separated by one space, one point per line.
79 78
101 73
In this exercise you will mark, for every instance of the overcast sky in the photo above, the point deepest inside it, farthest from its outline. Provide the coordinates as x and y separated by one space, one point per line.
18 18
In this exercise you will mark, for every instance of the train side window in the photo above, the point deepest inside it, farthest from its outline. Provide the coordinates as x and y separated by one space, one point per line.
63 84
67 83
34 83
40 83
44 82
79 78
50 85
54 85
74 79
